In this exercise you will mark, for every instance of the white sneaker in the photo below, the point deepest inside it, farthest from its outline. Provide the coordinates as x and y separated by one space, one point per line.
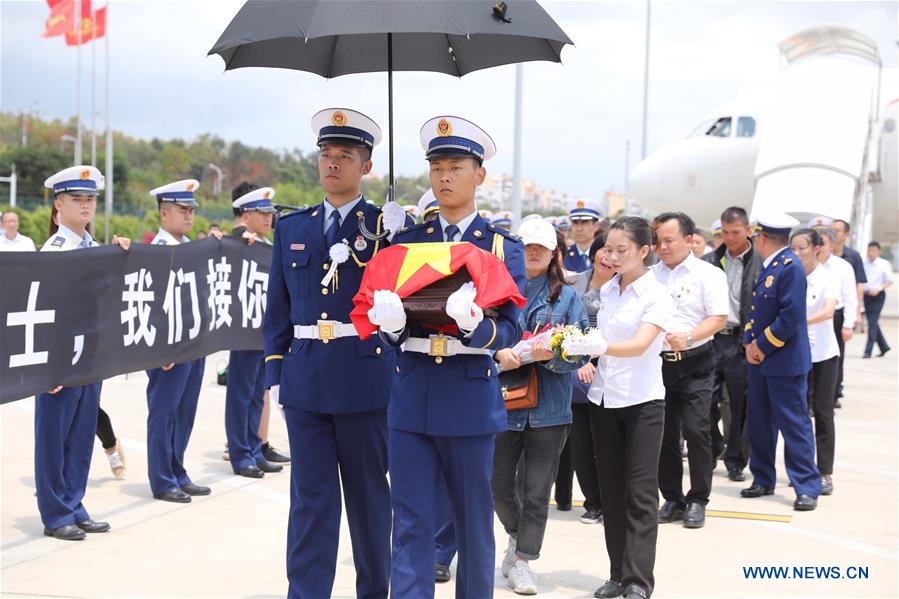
509 558
117 461
522 580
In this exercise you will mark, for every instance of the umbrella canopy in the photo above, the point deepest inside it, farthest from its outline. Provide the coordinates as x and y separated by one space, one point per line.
339 37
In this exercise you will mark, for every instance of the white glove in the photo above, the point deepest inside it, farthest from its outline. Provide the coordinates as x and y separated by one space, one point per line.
274 395
460 307
394 217
592 344
387 312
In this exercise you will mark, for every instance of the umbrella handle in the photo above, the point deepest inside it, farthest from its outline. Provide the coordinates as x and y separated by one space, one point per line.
368 234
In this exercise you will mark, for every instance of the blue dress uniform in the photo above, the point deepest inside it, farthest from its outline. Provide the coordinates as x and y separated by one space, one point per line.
244 397
575 261
172 395
334 388
65 422
777 399
581 210
445 412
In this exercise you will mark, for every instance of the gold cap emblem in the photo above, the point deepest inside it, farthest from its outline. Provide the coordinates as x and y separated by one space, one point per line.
444 128
338 119
85 174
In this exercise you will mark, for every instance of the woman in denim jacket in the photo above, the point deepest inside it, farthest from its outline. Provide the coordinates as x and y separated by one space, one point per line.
536 434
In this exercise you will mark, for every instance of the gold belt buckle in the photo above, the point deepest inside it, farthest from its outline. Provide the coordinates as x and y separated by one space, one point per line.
672 356
439 346
325 331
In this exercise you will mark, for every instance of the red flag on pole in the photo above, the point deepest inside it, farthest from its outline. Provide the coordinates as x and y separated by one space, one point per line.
61 19
90 29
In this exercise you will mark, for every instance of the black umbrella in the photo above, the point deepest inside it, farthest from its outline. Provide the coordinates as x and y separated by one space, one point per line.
339 37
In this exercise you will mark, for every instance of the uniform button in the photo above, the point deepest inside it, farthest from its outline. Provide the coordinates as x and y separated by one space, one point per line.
752 307
324 291
325 266
378 350
439 360
753 294
397 369
489 372
324 315
293 264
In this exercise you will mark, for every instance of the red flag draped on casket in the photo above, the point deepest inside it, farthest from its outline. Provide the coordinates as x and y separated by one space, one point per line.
406 269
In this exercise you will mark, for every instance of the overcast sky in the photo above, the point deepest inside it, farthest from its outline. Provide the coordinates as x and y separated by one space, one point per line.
577 115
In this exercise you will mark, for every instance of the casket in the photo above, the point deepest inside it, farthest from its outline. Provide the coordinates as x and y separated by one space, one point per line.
427 306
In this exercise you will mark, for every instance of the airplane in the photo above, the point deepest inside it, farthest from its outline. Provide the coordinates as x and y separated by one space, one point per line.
718 164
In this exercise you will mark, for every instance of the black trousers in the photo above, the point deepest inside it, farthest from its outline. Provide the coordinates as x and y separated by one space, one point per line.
731 362
873 308
627 452
838 320
688 394
104 430
579 457
822 380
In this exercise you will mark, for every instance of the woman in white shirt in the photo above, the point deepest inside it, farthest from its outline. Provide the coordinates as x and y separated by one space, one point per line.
822 294
627 406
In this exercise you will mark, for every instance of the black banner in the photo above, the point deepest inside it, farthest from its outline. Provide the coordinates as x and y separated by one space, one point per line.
78 317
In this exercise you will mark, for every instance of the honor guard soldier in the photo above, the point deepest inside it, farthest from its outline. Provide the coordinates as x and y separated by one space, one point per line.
244 399
777 350
584 216
503 219
446 406
174 389
65 418
333 386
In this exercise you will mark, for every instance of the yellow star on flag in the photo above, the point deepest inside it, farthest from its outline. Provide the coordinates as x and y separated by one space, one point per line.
436 255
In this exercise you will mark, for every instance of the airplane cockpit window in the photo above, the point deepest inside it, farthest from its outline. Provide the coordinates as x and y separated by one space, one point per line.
745 126
701 129
721 128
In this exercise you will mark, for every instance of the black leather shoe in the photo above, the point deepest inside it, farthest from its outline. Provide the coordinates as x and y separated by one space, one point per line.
805 503
69 532
755 490
250 472
826 485
192 489
175 496
267 467
671 512
91 526
611 588
635 591
694 515
884 352
736 475
273 455
441 573
563 507
866 356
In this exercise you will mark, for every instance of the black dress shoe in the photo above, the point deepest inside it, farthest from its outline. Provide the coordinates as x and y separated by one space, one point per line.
441 573
756 491
826 485
884 352
694 515
563 507
91 526
805 503
611 588
192 489
69 532
866 356
671 512
736 475
273 455
635 591
250 472
267 467
175 496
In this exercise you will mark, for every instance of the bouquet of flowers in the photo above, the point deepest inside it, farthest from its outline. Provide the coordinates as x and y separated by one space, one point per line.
557 339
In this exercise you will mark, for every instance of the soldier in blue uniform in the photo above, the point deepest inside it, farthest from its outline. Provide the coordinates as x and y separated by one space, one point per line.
173 390
584 216
244 399
446 406
333 387
777 350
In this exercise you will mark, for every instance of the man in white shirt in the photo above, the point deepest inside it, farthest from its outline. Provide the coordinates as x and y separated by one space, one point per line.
847 304
880 276
701 299
12 240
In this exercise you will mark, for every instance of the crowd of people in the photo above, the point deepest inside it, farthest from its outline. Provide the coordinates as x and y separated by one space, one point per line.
700 350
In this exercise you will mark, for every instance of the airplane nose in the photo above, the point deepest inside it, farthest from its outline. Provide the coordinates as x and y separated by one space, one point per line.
646 182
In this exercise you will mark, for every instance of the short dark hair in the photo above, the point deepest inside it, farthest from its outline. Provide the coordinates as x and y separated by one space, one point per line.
781 238
828 233
242 189
734 214
598 243
840 220
813 237
874 244
637 230
684 223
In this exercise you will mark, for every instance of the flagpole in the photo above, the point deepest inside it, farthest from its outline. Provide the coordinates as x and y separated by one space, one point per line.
77 22
108 194
93 86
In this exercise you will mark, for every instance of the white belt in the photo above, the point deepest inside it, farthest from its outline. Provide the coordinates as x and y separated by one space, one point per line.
324 330
440 345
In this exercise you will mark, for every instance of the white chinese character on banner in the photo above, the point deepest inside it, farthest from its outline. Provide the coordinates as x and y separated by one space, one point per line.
138 298
253 287
219 281
172 305
28 319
